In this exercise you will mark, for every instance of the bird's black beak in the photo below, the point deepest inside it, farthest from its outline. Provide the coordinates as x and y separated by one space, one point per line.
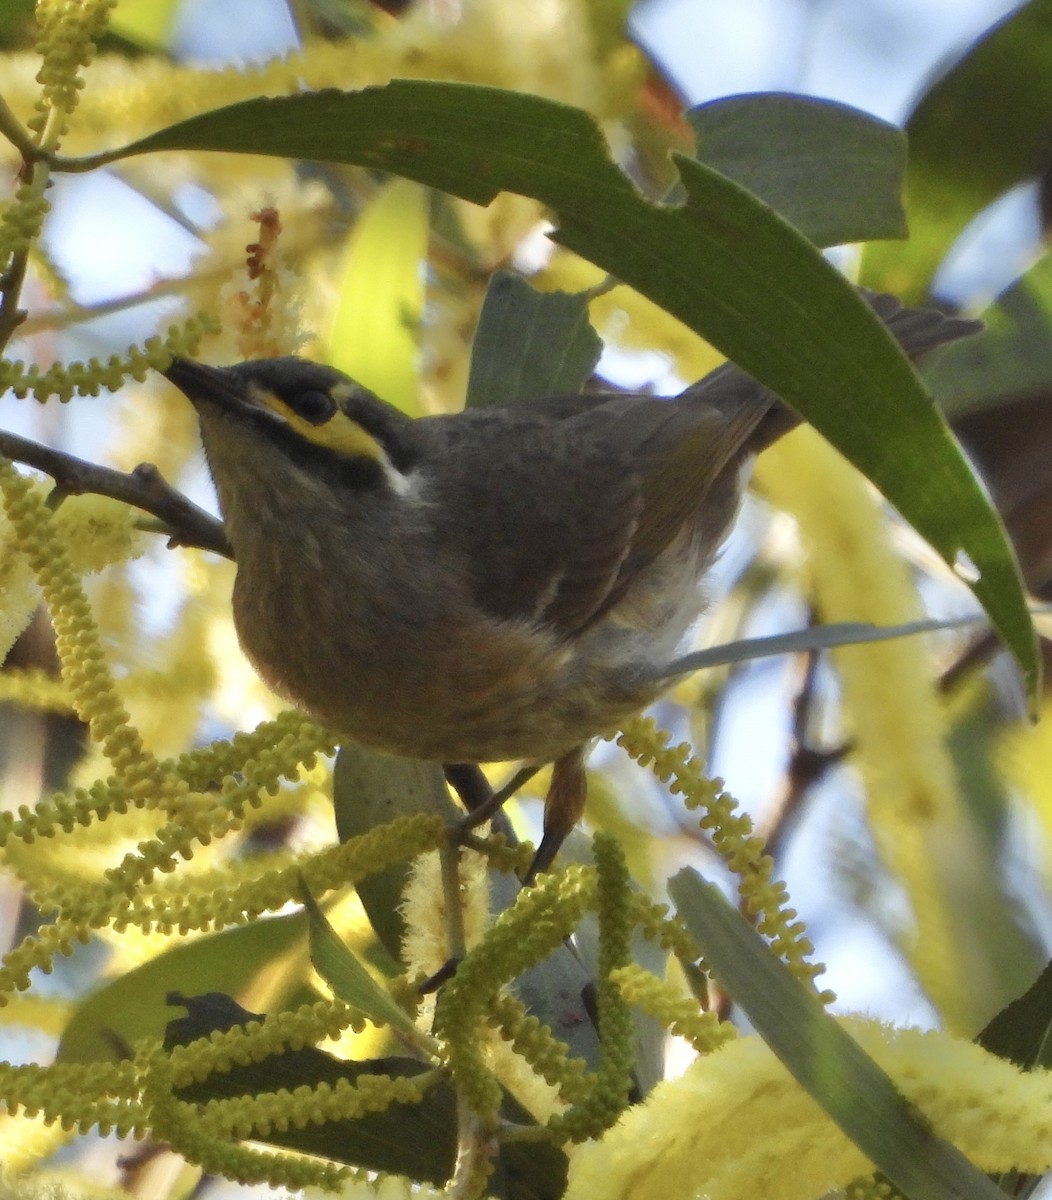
202 384
222 389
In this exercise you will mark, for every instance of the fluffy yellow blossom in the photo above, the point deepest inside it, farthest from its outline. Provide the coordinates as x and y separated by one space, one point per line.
426 947
99 531
737 1126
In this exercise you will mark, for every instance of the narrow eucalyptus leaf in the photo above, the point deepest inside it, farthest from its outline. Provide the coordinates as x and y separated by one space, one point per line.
822 1057
337 964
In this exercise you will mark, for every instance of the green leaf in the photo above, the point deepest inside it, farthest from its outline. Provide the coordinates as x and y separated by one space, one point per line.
134 1007
376 323
822 1057
146 23
1011 357
369 790
1022 1033
1022 1030
337 964
833 171
530 343
977 131
17 26
416 1140
722 262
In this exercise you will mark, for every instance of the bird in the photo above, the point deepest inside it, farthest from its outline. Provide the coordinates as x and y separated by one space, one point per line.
489 585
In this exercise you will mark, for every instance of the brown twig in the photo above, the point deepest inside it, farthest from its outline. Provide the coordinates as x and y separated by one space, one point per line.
11 281
806 766
145 488
17 134
75 314
977 654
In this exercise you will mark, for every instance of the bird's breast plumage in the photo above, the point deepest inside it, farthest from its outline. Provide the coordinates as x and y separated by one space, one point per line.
399 655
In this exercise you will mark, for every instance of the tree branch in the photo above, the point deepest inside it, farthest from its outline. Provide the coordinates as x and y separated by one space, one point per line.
145 488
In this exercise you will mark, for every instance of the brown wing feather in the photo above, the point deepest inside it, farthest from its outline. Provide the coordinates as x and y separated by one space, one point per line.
548 529
600 485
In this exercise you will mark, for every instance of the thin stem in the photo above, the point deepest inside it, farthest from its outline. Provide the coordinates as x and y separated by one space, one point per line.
602 288
476 1147
17 134
455 935
37 174
73 314
976 655
511 1133
486 811
72 165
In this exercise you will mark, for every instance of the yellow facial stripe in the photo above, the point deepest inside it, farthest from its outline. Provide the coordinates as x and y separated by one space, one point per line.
339 434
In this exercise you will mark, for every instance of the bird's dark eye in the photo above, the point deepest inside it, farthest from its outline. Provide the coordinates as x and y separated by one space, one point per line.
314 406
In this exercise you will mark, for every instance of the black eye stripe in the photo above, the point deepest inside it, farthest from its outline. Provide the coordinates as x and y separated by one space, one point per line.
312 405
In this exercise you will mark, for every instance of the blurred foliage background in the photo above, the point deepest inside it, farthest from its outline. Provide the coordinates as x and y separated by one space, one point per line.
904 795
